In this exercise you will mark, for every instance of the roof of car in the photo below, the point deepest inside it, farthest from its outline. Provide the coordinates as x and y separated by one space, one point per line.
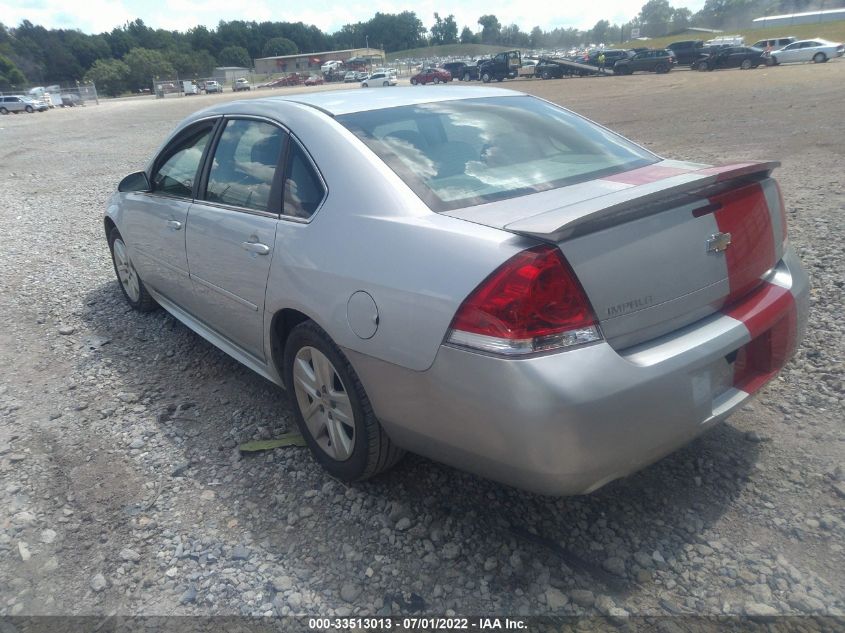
339 102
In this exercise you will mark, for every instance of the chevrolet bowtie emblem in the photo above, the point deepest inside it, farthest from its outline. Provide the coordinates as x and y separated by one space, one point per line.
718 242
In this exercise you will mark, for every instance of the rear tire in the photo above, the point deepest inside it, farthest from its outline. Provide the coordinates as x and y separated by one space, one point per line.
343 433
131 284
819 58
703 66
385 83
4 111
466 77
486 78
413 81
545 75
745 65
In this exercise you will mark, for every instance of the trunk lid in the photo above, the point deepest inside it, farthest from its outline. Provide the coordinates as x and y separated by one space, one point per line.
659 247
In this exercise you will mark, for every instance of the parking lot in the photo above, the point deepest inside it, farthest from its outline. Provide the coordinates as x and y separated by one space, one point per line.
123 490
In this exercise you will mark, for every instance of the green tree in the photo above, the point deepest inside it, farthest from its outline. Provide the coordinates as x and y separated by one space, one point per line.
234 56
110 76
536 37
145 66
681 19
279 46
656 17
10 75
192 64
491 30
444 31
599 33
468 37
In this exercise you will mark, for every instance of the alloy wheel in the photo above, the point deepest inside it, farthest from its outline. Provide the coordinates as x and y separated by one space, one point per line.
324 403
126 272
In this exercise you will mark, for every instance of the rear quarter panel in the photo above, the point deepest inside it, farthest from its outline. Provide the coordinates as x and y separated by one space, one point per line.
373 234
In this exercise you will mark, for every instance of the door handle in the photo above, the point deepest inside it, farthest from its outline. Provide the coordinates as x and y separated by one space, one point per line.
174 225
255 247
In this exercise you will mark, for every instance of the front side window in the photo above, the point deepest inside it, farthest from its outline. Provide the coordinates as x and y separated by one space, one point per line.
461 153
178 164
244 165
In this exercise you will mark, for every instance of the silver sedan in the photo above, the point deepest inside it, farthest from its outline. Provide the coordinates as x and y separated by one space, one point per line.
471 274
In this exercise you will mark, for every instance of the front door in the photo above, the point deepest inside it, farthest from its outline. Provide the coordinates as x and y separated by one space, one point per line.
155 221
231 230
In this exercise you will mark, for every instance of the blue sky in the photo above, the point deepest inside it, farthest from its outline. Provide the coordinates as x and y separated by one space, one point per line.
94 16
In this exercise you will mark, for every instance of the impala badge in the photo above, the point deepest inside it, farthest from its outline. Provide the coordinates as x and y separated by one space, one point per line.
718 242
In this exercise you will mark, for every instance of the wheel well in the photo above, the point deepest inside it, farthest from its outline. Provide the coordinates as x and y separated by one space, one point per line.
109 225
280 328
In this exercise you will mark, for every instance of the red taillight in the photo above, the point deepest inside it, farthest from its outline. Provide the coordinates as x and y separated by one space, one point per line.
532 302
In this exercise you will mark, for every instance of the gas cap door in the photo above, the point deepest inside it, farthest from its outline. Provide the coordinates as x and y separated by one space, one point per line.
362 314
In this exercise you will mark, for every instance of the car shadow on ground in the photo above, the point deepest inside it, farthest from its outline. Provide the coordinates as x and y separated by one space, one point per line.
610 542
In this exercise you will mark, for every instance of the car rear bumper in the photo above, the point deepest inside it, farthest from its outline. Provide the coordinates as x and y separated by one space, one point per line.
569 422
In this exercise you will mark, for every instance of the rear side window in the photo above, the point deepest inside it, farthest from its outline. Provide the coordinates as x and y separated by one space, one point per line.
244 165
177 165
455 154
304 190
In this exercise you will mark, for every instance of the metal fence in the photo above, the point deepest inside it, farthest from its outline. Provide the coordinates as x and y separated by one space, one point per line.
61 95
164 88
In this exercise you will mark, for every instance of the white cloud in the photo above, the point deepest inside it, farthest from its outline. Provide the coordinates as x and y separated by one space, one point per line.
94 16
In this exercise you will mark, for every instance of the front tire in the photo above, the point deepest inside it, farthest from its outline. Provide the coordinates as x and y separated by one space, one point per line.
29 109
385 83
486 78
130 282
332 409
413 81
466 77
661 69
4 111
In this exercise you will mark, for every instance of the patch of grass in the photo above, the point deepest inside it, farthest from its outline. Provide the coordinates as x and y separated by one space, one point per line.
833 31
448 50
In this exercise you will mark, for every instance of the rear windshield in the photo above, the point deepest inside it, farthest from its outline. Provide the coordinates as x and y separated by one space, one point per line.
456 154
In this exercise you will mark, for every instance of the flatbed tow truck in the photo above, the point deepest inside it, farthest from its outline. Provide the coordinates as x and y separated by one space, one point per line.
557 67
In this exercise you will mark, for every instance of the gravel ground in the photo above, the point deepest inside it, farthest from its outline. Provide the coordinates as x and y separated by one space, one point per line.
123 490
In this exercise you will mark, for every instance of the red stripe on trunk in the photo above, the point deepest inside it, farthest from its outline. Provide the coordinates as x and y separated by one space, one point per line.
771 316
744 214
645 175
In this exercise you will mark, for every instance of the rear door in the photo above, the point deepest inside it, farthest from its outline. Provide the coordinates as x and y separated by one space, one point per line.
232 229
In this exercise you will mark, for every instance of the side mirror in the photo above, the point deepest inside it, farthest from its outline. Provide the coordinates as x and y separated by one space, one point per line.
135 182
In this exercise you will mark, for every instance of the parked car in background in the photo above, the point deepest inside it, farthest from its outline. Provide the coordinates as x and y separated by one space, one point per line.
12 104
557 307
468 72
818 51
240 85
431 76
660 60
379 80
361 75
314 80
462 71
686 52
350 77
212 86
774 43
743 57
611 56
71 99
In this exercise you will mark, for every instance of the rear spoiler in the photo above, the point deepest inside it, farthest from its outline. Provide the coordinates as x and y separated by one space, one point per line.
637 201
